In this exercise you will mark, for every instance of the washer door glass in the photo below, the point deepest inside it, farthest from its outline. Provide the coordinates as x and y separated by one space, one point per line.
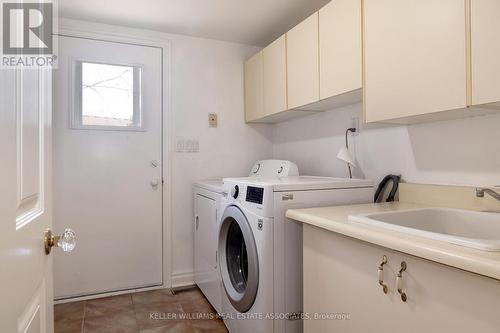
239 261
236 257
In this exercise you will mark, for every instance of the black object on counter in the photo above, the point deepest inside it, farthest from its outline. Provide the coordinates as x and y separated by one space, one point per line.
383 184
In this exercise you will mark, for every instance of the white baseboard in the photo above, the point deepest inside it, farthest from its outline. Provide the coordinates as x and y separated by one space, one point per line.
105 294
180 280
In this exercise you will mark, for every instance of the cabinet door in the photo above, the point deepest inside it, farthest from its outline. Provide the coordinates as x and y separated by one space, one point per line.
275 90
303 63
414 57
254 87
485 26
340 60
340 277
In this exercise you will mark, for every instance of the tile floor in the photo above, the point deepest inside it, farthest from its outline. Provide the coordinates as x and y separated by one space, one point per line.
155 311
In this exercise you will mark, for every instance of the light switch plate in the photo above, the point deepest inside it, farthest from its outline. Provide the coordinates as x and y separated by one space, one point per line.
192 145
187 145
179 145
212 120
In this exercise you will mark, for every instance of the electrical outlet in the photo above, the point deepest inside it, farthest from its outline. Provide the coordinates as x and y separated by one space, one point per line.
212 120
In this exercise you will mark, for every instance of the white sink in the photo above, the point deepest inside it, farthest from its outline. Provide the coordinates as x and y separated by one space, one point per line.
471 229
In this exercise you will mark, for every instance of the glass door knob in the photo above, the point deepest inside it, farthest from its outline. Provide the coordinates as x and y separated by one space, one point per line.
66 241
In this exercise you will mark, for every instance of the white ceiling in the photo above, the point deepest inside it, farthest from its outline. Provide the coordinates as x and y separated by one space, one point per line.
254 22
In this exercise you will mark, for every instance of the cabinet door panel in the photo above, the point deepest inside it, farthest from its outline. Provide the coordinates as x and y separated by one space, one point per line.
254 87
303 63
485 26
415 57
275 91
340 47
340 276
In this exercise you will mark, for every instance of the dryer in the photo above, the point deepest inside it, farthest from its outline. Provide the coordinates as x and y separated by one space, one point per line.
206 204
260 251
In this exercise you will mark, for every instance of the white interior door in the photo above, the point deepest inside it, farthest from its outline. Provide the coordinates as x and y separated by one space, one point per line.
25 199
107 165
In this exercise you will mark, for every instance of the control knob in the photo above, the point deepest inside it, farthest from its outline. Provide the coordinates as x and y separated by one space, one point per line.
235 191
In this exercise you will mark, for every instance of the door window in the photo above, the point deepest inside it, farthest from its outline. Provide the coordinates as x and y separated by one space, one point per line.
107 96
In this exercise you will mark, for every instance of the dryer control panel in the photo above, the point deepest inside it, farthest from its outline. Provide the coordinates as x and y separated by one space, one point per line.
255 195
274 168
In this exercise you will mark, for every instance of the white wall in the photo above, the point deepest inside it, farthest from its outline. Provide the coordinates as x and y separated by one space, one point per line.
464 151
207 77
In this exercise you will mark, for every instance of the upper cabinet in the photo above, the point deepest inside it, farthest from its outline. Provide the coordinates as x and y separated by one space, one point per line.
275 90
340 48
409 61
485 51
430 60
254 88
303 63
414 58
315 66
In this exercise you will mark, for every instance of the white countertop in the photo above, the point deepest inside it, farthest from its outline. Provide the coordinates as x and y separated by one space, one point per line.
335 219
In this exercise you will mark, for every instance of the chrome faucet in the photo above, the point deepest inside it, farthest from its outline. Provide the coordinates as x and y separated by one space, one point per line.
481 191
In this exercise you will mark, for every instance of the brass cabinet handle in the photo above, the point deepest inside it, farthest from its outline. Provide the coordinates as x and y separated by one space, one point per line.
381 274
399 282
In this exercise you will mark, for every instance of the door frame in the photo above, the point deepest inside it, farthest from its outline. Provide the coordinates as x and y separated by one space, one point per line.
119 34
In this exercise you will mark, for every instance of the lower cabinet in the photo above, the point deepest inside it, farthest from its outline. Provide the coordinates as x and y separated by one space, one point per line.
206 270
342 291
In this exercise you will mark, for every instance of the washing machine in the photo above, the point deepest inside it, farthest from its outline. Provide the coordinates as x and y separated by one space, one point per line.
207 214
260 250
